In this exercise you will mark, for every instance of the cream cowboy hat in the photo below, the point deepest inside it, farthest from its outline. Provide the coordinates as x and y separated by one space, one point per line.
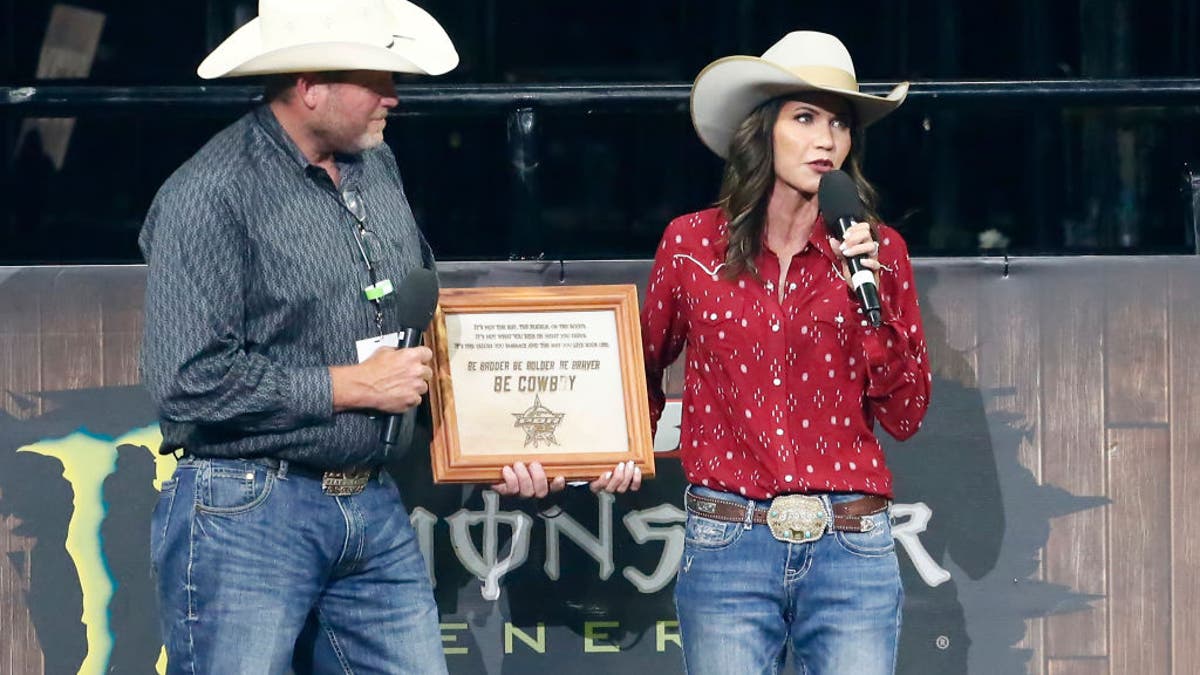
729 89
292 36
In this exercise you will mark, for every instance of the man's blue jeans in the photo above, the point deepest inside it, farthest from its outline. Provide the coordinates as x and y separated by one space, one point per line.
743 596
245 555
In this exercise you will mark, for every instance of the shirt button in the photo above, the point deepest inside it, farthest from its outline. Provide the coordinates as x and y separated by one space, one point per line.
775 327
778 382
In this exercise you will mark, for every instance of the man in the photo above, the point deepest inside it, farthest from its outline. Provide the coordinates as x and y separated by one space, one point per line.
275 257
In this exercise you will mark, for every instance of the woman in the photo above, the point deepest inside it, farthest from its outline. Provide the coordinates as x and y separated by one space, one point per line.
788 535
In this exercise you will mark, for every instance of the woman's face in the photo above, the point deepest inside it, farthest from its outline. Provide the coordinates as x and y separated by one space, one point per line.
811 137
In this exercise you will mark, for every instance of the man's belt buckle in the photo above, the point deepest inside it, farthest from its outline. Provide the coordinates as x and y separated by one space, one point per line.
345 483
797 519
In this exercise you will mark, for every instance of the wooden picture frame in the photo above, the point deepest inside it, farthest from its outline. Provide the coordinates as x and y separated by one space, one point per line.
552 374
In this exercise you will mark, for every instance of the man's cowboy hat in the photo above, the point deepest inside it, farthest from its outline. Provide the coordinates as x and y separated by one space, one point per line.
729 89
292 36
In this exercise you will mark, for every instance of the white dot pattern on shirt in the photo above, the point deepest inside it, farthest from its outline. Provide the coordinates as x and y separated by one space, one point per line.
745 369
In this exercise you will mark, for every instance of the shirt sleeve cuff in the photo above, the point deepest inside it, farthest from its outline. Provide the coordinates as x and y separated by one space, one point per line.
312 393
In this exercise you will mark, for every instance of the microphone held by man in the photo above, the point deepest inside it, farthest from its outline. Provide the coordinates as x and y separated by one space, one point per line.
416 303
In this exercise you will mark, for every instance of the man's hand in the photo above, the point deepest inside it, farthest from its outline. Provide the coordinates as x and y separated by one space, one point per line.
390 381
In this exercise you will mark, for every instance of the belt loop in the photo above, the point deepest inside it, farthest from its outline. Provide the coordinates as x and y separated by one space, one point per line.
281 472
828 512
749 522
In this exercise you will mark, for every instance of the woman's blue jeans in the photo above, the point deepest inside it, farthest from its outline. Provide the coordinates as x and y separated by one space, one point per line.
743 597
252 563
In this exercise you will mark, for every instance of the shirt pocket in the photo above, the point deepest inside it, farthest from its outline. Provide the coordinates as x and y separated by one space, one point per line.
836 335
719 326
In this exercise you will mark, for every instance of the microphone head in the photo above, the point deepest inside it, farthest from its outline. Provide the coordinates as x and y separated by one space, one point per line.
837 197
417 298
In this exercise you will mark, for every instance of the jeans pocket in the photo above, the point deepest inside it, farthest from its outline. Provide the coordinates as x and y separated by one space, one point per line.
877 541
233 488
160 519
710 535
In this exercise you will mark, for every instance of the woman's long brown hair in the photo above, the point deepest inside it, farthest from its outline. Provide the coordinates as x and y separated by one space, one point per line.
750 176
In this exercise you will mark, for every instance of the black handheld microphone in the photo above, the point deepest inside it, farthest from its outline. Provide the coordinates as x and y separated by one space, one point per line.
840 204
416 300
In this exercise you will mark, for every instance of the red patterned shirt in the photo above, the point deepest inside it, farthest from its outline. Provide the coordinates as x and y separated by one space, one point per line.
778 396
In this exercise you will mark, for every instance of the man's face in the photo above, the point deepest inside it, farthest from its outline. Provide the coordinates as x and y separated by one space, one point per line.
354 109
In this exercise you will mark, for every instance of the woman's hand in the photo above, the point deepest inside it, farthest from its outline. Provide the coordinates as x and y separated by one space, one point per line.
531 481
522 481
858 242
626 476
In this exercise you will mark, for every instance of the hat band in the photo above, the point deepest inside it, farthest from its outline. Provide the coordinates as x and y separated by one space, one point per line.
826 77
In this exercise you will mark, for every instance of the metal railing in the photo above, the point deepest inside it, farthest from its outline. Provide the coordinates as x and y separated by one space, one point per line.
522 103
425 99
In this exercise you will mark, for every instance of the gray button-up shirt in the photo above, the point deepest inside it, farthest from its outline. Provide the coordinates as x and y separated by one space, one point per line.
255 287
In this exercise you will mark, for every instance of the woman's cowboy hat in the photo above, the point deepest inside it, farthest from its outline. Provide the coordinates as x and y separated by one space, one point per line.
729 89
292 36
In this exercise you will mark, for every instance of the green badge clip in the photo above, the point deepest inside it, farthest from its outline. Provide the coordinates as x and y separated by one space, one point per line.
378 290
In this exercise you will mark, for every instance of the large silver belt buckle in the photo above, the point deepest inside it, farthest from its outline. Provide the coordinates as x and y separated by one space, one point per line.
345 483
797 519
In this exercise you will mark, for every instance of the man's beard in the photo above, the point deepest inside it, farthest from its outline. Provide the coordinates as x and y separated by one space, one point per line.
366 141
346 141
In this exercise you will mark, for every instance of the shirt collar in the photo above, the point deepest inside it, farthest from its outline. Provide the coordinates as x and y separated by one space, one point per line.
270 125
818 239
349 165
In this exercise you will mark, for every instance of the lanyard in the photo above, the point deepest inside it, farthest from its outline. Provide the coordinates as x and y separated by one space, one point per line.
369 248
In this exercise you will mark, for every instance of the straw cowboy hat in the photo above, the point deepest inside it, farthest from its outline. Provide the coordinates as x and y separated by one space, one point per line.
291 36
729 89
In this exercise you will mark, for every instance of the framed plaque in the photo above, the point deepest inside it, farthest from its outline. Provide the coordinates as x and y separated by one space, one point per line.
553 375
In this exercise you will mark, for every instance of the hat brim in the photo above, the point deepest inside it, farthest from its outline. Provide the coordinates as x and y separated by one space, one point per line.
729 89
429 53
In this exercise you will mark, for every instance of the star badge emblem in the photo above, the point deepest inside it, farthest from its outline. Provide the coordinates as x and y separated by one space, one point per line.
539 423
